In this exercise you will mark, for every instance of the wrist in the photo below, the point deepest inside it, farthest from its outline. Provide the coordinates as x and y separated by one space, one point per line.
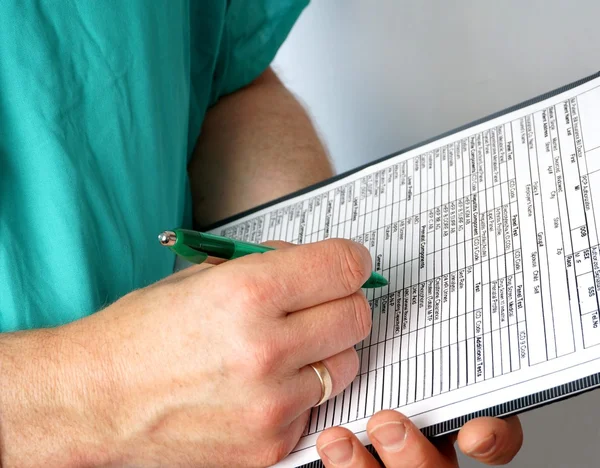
52 398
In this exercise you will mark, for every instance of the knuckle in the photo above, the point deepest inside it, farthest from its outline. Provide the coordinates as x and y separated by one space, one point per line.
352 265
264 358
255 294
249 291
271 414
362 315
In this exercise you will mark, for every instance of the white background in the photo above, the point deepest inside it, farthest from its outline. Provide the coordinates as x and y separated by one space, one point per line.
379 75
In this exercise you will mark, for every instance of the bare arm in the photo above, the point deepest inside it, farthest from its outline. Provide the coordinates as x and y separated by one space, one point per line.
256 145
49 394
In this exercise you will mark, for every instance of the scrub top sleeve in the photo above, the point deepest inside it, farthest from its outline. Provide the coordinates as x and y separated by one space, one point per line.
253 33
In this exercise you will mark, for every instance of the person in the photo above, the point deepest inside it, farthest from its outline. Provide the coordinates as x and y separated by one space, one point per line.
119 120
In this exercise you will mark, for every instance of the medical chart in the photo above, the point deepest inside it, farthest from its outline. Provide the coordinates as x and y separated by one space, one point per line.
490 242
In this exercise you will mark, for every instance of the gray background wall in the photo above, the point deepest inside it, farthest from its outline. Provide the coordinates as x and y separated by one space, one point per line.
379 75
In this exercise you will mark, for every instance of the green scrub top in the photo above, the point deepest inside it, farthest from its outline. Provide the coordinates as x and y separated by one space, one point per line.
101 103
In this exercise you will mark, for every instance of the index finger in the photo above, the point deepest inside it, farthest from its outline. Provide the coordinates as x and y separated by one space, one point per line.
300 277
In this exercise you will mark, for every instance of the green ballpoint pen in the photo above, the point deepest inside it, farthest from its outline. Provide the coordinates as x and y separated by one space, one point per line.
196 247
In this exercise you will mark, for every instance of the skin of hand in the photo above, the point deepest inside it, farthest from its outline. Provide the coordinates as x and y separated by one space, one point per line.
400 444
208 367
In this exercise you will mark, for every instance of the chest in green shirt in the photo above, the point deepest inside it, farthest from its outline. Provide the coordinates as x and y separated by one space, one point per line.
100 106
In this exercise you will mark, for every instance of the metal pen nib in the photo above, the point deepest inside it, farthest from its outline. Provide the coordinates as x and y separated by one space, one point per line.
167 238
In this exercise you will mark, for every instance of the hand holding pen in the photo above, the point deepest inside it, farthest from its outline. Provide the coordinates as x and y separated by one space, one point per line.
196 247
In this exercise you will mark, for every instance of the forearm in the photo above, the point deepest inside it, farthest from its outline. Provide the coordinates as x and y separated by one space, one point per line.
256 145
47 392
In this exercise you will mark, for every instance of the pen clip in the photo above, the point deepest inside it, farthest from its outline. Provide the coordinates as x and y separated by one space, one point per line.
190 254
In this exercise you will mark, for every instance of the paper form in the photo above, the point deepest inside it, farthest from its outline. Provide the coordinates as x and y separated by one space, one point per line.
490 242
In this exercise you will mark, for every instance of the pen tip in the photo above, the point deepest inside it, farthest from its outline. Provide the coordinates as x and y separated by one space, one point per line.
376 281
381 282
167 238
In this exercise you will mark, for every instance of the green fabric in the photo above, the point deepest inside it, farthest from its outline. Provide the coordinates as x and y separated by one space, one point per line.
101 103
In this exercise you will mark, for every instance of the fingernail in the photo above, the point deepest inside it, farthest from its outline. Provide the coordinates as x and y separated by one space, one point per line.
339 451
483 447
390 435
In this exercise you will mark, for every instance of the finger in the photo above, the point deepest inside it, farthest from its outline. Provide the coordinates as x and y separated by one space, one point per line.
328 328
278 244
340 447
492 441
296 278
305 386
400 444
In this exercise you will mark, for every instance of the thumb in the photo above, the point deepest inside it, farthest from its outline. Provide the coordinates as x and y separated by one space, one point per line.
278 244
400 444
492 441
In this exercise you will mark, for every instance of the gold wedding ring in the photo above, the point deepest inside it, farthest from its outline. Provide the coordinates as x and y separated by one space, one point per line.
325 379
